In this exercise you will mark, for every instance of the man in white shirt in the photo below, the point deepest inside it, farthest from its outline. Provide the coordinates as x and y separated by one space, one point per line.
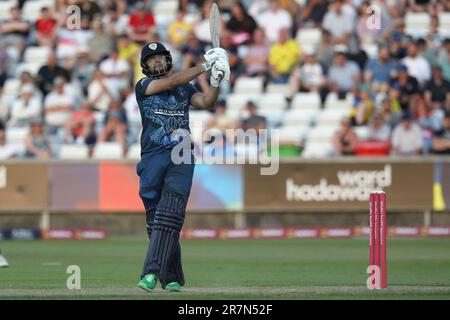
101 92
418 66
116 70
58 106
339 23
273 20
407 138
26 108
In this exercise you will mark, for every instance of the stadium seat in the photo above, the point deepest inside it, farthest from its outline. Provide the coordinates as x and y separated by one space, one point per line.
306 101
331 117
317 150
332 102
11 87
292 134
134 152
362 132
36 54
247 85
309 37
31 67
199 116
322 134
272 101
32 9
274 117
371 49
5 6
166 7
444 24
278 88
74 151
417 24
238 101
107 150
16 135
300 117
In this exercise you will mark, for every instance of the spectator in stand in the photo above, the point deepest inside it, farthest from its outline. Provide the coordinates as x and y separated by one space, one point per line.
408 87
116 70
115 125
15 30
363 107
378 72
83 70
255 59
236 67
343 76
445 65
338 22
201 24
283 57
379 130
367 33
221 119
273 20
313 13
25 108
101 43
80 127
129 51
418 66
7 150
36 142
345 139
241 25
5 63
397 40
179 30
407 137
192 55
437 90
90 10
441 138
115 23
307 77
58 105
141 26
47 74
101 92
46 27
251 120
391 112
325 51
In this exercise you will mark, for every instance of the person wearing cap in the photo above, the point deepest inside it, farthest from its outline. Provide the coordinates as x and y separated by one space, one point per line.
141 25
26 108
407 85
407 137
167 160
58 105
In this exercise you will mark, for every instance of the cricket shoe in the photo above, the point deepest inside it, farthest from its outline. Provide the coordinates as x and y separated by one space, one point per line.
3 262
173 287
148 283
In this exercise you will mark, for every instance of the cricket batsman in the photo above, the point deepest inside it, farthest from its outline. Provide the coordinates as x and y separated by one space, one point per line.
164 98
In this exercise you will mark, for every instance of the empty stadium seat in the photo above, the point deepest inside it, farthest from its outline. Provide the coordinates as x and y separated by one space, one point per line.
134 152
247 85
293 134
278 88
107 150
31 67
272 101
322 134
362 132
309 37
274 117
317 150
5 6
300 117
417 24
371 49
304 101
238 101
444 24
74 151
16 135
332 102
36 54
331 117
32 9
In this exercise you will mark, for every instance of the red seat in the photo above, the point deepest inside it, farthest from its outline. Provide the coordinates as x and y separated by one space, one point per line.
372 148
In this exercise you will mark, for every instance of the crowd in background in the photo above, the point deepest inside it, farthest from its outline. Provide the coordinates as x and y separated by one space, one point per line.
402 95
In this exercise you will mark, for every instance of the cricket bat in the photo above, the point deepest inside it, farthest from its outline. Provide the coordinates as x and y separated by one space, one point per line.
214 28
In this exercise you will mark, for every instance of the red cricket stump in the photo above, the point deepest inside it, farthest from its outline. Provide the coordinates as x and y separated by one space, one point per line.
378 234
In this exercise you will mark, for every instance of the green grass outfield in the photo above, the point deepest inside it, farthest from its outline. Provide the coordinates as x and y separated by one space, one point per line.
230 269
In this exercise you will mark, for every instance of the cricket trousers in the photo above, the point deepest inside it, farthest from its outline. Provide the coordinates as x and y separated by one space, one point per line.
164 190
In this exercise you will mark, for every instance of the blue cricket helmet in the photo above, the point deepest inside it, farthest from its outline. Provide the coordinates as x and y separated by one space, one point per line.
151 49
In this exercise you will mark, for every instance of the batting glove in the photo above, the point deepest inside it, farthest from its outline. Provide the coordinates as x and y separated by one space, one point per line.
212 55
224 67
